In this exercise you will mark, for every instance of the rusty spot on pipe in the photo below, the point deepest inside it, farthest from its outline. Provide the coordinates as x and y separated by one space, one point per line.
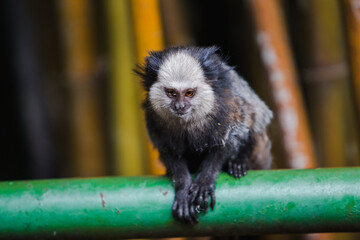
102 200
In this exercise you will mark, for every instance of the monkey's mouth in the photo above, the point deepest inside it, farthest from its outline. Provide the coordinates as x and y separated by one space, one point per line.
181 114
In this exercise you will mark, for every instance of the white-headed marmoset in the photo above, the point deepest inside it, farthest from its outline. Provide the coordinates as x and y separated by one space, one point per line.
203 118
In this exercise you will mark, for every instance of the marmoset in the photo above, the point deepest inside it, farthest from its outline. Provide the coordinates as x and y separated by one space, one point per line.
203 118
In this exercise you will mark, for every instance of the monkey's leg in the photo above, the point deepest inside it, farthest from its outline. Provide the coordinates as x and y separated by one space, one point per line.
203 185
239 164
178 170
261 155
254 154
237 168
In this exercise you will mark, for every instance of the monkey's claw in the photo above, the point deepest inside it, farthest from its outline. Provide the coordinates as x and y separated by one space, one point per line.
237 169
199 194
183 211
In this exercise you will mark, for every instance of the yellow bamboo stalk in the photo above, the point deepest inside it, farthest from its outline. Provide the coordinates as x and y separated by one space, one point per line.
129 151
326 82
148 37
276 56
352 20
88 149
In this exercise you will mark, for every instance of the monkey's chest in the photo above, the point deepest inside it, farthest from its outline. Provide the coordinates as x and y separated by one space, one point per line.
194 147
194 158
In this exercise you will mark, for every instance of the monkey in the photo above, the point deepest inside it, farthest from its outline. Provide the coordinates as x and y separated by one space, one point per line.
203 118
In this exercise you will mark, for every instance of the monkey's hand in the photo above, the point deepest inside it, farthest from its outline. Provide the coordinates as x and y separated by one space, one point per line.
237 168
182 210
199 194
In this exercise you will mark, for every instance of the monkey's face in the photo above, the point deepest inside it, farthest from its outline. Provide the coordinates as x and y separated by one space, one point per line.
181 90
180 99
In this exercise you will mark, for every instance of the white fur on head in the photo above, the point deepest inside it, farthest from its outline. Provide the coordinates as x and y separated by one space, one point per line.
181 71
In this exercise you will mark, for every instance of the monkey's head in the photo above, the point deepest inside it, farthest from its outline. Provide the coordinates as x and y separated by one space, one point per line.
180 82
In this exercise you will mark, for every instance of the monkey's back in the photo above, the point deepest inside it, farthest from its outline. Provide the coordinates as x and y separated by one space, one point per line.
251 115
249 103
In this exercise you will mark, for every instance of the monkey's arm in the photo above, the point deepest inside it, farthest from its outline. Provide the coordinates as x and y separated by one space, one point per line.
203 185
178 170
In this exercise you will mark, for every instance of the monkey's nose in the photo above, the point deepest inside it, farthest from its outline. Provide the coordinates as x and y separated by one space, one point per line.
181 107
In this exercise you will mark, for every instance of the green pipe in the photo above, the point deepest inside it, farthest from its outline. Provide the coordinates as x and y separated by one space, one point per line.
274 201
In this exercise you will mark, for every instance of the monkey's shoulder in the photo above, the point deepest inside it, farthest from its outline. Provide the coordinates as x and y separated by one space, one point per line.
246 107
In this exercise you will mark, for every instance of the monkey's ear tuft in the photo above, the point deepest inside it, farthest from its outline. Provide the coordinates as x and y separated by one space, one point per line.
211 62
153 62
149 71
139 70
208 51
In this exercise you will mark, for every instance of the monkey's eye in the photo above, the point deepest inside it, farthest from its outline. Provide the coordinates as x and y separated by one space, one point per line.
190 93
171 93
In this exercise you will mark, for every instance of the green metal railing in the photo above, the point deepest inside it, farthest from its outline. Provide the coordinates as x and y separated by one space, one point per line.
275 201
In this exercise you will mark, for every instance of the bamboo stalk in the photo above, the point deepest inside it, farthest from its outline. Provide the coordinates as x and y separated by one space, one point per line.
87 142
34 128
124 91
351 12
148 37
277 59
48 39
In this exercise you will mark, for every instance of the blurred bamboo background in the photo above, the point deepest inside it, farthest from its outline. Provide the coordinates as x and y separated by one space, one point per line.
73 104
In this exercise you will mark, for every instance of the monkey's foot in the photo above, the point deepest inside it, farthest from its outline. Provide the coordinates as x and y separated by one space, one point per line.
237 169
199 194
182 210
